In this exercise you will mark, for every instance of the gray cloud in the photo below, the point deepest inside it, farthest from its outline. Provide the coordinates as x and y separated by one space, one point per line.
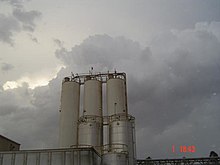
102 48
58 42
15 3
8 26
33 116
33 38
6 66
20 20
27 18
173 91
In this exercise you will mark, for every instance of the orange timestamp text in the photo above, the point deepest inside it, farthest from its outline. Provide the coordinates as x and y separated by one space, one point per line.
184 149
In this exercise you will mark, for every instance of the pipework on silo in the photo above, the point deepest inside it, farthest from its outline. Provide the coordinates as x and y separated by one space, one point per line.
87 129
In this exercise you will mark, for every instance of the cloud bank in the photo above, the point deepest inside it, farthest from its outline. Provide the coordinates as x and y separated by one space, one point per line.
173 91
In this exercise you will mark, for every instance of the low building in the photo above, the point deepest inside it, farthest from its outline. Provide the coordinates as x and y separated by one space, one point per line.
8 144
64 156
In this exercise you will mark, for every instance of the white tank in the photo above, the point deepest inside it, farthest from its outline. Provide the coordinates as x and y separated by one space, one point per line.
116 96
115 159
121 132
90 133
92 98
70 99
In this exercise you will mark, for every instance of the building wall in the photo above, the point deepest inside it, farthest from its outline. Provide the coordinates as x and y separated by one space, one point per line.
68 156
8 145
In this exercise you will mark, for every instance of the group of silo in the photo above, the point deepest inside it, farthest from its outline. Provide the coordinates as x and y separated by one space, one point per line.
87 129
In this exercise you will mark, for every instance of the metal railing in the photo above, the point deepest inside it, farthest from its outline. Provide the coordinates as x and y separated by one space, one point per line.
90 118
183 161
106 119
121 117
115 148
103 77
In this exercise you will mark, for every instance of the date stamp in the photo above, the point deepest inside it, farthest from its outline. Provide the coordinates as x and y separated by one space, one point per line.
184 149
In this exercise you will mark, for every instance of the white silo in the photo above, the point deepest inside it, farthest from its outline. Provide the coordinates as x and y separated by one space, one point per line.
90 132
69 116
90 124
92 103
121 125
116 96
121 130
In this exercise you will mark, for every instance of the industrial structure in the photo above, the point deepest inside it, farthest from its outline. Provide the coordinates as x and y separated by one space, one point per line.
95 128
85 128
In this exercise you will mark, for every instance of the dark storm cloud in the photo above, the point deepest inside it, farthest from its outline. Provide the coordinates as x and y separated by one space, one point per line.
30 114
6 66
102 48
173 91
182 81
179 74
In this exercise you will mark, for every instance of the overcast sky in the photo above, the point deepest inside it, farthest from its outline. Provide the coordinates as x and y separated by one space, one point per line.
169 49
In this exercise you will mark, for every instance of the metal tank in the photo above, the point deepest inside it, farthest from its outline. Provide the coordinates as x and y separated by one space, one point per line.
90 124
116 96
121 130
70 100
92 97
115 159
91 132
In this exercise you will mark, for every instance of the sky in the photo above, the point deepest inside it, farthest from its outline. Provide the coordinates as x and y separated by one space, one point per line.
170 51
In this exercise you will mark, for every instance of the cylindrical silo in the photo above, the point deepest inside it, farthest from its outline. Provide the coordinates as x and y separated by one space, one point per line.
91 132
70 100
115 159
121 132
92 104
116 96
